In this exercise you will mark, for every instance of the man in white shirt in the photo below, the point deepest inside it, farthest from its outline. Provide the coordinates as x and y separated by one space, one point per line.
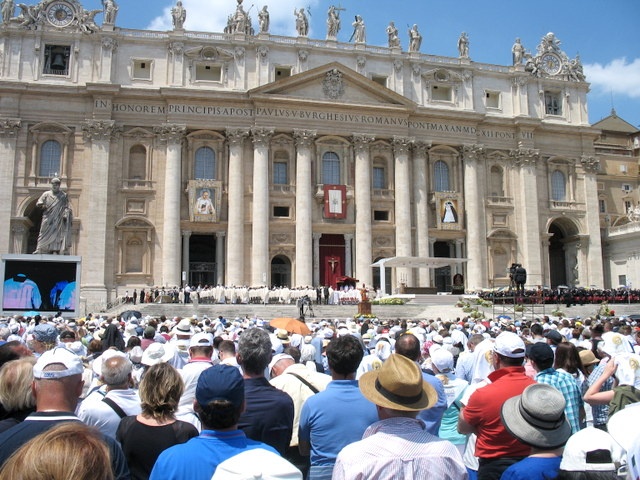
104 407
200 351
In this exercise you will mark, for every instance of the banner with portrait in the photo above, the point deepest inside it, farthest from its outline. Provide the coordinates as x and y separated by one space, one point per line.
449 211
205 197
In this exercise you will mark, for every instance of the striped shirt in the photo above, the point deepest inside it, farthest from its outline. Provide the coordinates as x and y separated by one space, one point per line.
399 448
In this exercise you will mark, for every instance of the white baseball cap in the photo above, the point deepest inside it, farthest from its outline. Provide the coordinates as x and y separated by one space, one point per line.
59 355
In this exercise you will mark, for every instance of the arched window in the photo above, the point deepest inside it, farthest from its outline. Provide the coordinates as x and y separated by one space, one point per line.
134 255
497 186
280 168
137 163
558 186
330 168
379 174
441 176
50 154
205 168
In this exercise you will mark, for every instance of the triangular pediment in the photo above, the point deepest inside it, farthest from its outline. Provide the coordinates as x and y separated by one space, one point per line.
333 83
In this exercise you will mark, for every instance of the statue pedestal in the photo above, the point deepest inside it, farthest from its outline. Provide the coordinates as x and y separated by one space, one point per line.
364 308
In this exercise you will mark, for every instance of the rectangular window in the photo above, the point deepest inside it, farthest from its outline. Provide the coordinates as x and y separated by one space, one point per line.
142 69
441 93
552 103
602 204
622 280
56 60
282 72
627 206
626 188
279 211
209 73
280 173
492 99
330 169
380 79
381 215
379 181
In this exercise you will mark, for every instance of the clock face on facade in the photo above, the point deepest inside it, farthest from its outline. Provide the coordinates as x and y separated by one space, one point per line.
60 14
550 64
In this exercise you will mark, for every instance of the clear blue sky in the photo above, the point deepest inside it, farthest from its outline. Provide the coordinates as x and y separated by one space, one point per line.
606 34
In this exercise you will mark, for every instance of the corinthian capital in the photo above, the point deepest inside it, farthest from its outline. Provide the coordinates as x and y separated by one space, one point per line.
9 127
401 145
100 130
236 136
304 138
171 133
525 156
590 163
420 148
261 136
361 141
473 152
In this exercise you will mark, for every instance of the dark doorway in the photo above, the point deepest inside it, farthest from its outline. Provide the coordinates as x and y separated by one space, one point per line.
202 254
442 275
332 261
280 271
557 257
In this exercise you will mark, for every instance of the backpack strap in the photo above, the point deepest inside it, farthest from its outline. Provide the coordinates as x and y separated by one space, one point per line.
116 408
311 387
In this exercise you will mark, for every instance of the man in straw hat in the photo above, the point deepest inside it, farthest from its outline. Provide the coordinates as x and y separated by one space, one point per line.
399 442
537 418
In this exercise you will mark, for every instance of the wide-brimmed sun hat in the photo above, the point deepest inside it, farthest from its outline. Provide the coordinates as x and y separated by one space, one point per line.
537 417
398 385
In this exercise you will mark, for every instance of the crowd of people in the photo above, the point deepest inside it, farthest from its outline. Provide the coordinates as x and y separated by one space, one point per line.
212 295
563 295
202 398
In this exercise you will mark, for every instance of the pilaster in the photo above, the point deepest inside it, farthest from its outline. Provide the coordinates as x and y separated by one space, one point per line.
9 128
401 149
476 223
260 216
363 236
421 202
304 211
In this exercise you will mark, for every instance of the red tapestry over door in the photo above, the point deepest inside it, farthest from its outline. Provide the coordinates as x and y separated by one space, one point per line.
331 259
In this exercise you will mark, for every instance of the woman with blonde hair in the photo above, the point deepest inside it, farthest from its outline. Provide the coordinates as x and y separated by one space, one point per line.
16 396
143 437
70 450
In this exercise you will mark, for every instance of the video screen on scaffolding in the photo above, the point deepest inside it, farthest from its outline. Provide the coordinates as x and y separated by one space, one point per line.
44 284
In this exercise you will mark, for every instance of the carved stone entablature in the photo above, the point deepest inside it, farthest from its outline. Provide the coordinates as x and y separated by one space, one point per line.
333 84
176 48
361 141
519 81
109 43
171 133
443 76
101 130
210 54
9 127
382 241
304 138
262 52
281 239
261 136
551 62
361 61
380 148
590 163
238 54
473 152
420 148
236 136
402 145
397 65
525 156
303 55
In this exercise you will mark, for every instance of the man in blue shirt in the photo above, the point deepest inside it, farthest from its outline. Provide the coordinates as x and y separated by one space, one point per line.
340 414
219 403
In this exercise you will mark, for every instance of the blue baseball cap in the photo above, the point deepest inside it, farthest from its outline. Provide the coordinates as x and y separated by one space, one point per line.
220 382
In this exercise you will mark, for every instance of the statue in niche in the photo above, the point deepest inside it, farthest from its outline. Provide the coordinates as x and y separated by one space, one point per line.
263 20
302 22
333 22
359 34
8 6
55 229
392 35
110 12
415 39
463 45
178 15
517 52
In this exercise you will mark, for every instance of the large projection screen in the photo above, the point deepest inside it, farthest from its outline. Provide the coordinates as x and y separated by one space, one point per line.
45 284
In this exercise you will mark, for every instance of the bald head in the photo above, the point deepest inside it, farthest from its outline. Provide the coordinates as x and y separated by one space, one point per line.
408 346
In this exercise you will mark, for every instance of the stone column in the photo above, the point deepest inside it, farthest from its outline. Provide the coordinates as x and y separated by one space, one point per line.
260 215
220 258
475 220
432 273
421 201
529 214
186 237
403 184
99 134
173 135
348 260
235 243
9 128
458 267
304 207
316 258
593 253
20 233
364 255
